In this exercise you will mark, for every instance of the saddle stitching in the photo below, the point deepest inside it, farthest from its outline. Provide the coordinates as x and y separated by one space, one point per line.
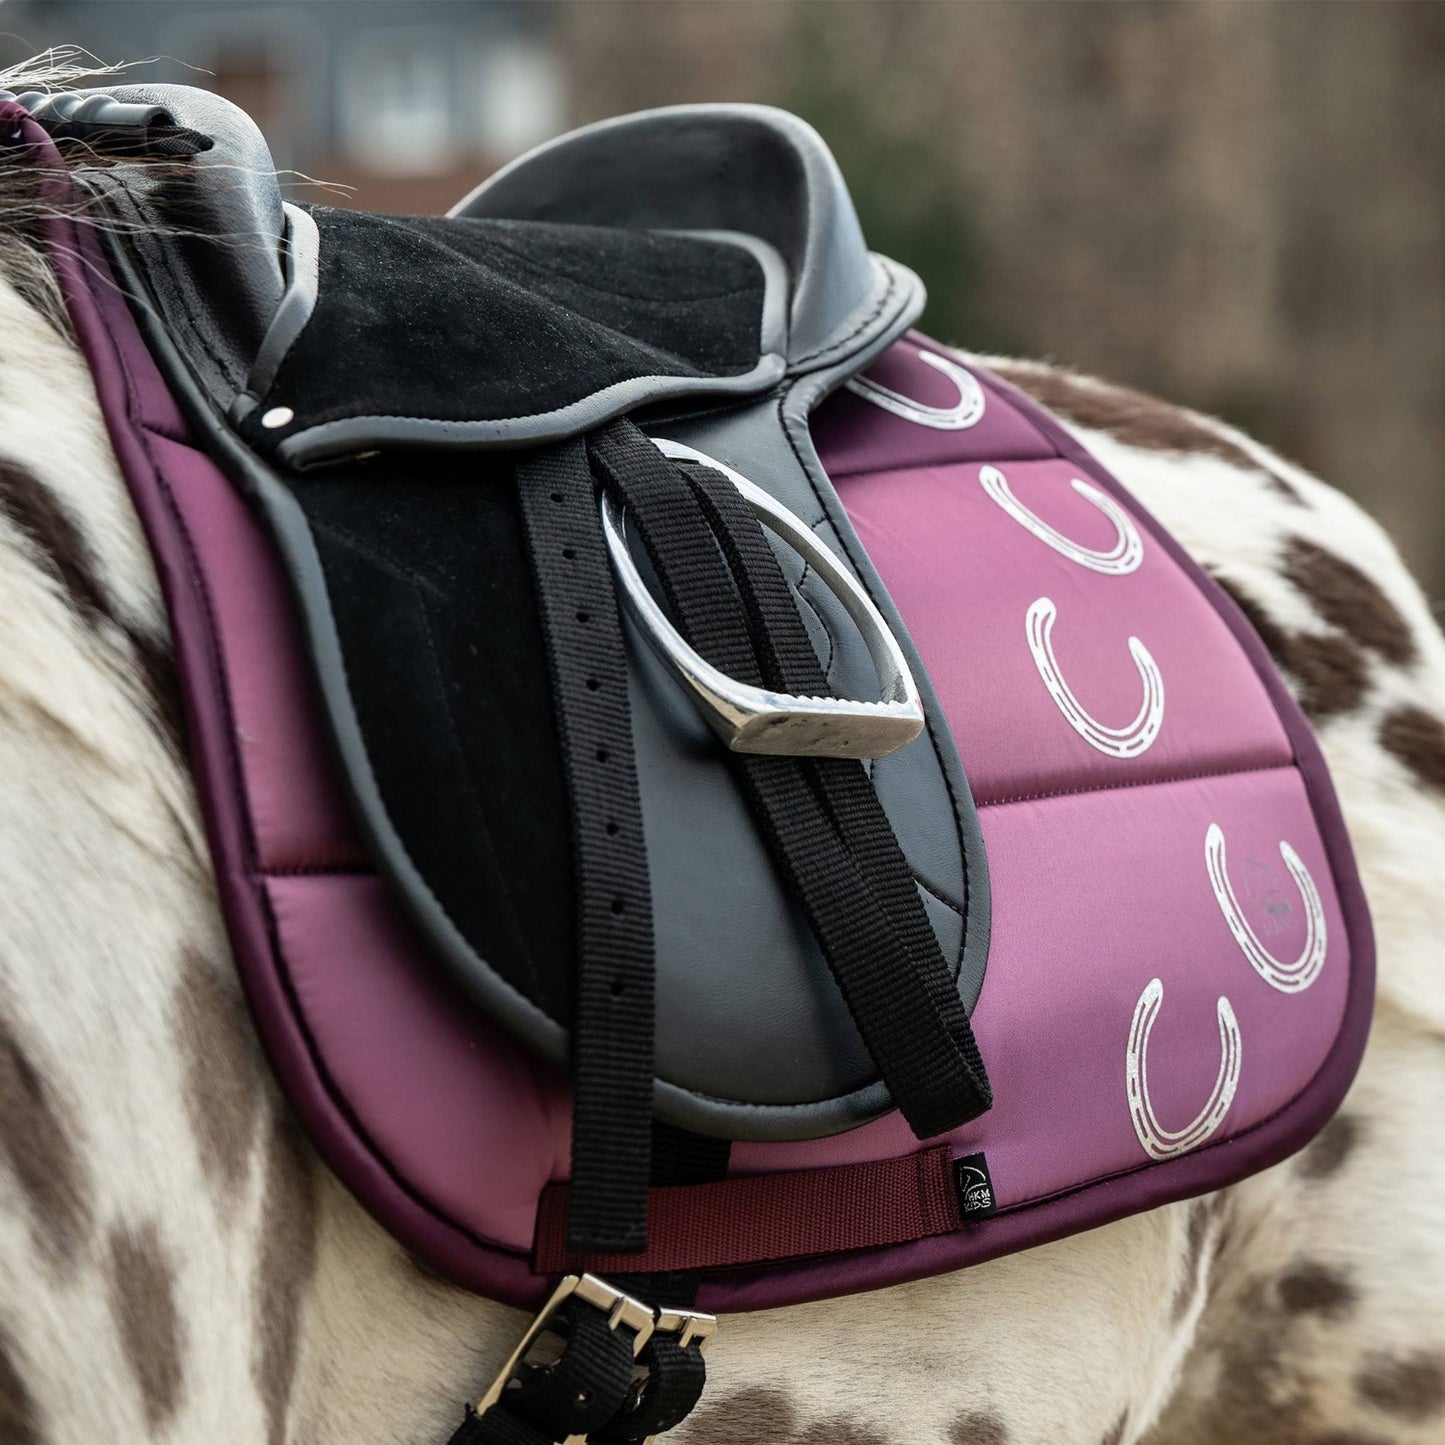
179 293
828 349
812 607
902 468
1121 784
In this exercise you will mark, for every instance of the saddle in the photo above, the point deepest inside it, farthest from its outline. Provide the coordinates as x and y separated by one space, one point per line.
717 803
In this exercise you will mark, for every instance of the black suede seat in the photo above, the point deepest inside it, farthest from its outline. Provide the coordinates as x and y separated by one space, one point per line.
492 330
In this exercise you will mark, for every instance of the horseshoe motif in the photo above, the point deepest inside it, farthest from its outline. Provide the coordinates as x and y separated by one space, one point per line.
1119 560
1125 742
1293 977
966 413
1159 1142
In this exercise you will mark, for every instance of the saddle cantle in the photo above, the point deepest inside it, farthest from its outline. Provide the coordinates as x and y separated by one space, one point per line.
582 603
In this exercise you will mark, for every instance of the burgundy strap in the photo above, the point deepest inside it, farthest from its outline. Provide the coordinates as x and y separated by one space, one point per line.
757 1217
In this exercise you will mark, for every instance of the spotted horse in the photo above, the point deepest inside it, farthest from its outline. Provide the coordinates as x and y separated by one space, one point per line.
316 688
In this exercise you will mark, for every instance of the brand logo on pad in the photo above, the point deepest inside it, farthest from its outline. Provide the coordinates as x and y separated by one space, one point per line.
975 1186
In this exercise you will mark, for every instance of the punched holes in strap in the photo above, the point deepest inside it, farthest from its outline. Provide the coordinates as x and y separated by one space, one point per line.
612 1050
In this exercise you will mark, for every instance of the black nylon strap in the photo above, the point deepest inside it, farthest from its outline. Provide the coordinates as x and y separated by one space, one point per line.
676 1376
788 662
586 1388
612 1051
825 827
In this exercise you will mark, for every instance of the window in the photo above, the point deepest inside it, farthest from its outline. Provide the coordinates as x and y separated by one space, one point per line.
520 102
395 101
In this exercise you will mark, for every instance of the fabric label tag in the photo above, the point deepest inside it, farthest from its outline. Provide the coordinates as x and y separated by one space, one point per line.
975 1186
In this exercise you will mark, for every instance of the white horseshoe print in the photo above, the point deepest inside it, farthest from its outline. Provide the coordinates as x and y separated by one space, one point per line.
1292 977
967 412
1118 561
1159 1142
1125 742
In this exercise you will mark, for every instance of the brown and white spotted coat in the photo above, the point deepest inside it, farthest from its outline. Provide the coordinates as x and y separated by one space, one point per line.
175 1266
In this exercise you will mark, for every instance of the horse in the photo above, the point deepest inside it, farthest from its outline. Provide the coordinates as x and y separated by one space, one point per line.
176 1264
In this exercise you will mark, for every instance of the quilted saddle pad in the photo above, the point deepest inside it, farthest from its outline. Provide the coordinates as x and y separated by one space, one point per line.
1121 829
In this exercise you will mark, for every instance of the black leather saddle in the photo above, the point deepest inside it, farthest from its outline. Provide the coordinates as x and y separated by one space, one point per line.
626 714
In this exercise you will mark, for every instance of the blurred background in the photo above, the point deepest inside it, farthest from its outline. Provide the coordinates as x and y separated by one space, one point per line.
1236 204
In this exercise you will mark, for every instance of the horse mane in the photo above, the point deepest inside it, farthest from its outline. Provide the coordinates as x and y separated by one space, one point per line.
26 203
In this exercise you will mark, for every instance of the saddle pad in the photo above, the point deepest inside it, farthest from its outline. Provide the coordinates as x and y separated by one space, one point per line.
1179 981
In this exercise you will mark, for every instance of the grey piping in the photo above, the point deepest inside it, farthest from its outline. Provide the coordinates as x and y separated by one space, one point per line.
302 253
329 441
332 440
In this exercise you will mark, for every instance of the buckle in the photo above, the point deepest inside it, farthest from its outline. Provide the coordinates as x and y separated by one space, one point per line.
687 1325
759 720
622 1311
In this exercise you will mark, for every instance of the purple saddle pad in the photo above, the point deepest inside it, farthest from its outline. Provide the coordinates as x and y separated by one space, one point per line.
1180 970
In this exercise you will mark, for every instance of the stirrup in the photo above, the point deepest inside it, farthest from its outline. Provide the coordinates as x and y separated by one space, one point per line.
756 719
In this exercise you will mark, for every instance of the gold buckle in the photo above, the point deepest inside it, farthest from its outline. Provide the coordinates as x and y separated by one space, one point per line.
622 1311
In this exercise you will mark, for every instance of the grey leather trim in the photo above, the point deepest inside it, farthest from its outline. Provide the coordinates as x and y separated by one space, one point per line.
302 258
347 436
331 440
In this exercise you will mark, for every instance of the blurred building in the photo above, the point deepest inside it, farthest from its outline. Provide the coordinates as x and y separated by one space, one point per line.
1236 205
408 101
